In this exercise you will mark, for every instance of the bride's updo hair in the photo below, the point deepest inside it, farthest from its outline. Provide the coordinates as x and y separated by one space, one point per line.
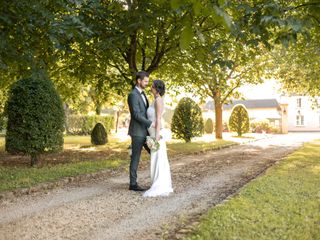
159 86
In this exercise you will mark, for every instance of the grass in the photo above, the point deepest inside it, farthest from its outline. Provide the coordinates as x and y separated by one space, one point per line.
174 147
80 157
85 141
282 204
19 177
194 147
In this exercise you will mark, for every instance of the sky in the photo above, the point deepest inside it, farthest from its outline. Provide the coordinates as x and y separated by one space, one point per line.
269 89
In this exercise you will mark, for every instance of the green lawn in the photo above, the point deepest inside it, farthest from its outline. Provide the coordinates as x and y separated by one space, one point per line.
18 177
282 204
179 147
112 155
174 146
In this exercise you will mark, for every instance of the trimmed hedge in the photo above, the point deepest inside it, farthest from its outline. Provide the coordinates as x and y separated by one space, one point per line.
209 126
99 135
239 120
35 118
83 124
187 121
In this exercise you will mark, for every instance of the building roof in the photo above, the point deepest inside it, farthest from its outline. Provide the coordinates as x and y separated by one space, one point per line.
252 103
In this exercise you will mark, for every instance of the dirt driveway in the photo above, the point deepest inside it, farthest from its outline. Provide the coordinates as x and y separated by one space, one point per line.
105 209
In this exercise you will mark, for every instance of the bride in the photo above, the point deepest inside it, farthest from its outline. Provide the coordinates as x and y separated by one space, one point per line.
160 168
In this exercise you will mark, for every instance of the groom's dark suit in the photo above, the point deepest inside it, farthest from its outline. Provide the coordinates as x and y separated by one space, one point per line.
138 130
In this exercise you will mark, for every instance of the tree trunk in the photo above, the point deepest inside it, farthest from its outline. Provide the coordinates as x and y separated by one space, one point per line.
133 79
117 121
218 116
98 109
34 159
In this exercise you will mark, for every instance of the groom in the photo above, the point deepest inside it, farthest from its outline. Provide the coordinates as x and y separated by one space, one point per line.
139 124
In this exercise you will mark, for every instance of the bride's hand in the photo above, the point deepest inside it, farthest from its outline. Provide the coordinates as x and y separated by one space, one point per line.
158 137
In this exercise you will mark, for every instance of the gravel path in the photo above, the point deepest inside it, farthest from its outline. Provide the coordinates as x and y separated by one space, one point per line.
105 209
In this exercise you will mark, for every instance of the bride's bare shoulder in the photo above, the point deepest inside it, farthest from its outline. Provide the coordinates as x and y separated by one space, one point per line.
159 101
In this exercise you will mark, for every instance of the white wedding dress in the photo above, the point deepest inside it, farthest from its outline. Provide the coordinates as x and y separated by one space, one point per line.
160 168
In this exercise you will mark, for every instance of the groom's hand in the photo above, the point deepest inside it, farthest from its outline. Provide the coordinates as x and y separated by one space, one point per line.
153 125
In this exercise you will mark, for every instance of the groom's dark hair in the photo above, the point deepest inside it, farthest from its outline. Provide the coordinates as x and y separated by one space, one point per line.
141 75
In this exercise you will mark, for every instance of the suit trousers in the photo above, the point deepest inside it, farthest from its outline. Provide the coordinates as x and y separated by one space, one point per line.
136 146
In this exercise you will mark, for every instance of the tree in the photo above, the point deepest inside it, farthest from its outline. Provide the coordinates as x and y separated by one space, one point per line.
218 62
218 67
34 34
297 66
239 120
140 35
187 121
35 118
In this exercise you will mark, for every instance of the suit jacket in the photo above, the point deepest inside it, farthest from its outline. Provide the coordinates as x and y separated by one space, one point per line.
139 122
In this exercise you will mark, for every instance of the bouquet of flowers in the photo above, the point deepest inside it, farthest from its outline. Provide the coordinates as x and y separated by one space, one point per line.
153 144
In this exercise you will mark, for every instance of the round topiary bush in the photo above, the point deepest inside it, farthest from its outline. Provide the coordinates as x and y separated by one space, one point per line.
208 126
187 121
99 135
239 120
35 118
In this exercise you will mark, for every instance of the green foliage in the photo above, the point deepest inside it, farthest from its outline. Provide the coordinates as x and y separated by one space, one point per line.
100 44
35 118
260 126
99 135
208 126
35 33
3 122
239 120
187 121
273 206
263 126
225 127
298 66
83 124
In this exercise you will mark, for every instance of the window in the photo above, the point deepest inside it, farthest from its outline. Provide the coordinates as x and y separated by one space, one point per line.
300 120
299 102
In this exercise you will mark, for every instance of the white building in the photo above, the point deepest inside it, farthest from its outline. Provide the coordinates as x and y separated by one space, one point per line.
290 113
258 109
303 114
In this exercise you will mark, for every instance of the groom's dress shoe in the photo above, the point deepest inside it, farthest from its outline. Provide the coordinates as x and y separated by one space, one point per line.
136 188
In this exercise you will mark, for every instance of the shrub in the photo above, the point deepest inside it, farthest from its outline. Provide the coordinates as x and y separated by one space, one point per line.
263 126
239 120
99 135
187 121
225 126
208 126
35 118
260 126
83 124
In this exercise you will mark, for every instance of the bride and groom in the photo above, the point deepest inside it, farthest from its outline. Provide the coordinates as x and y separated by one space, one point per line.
146 120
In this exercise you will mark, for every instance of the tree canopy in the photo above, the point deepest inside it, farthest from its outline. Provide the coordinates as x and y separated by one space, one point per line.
91 49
